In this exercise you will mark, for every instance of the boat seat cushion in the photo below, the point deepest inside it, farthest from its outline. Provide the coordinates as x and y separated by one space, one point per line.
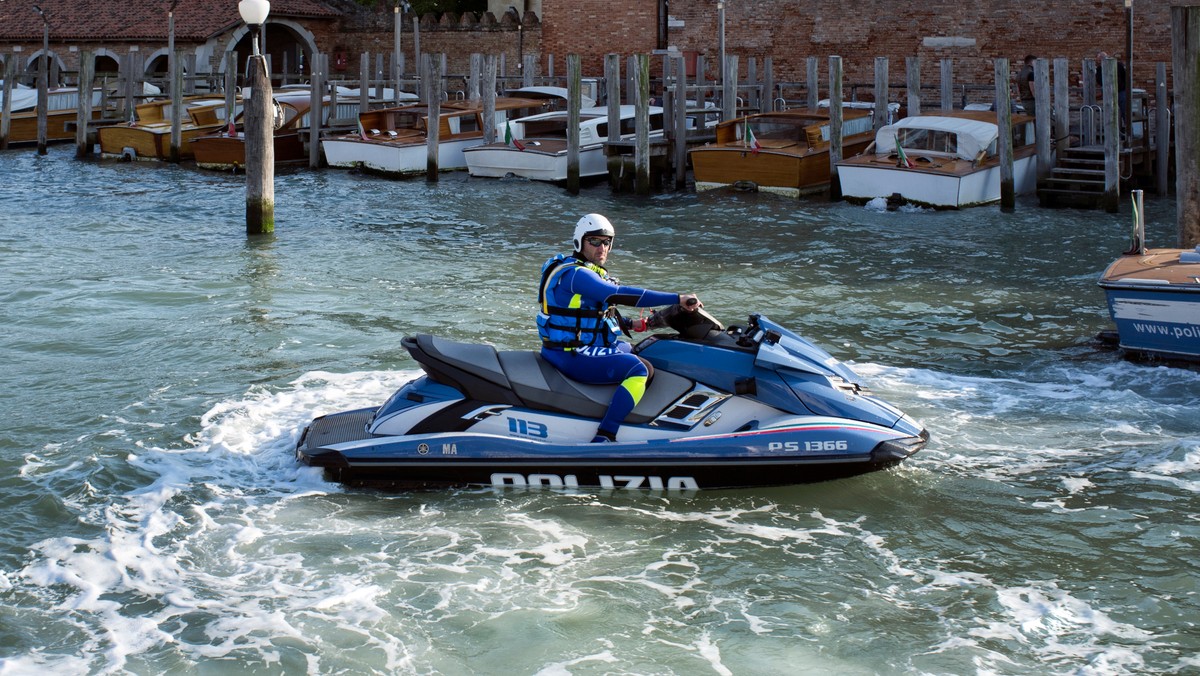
542 386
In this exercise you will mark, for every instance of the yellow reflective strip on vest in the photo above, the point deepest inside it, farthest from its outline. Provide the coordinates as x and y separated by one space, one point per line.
636 387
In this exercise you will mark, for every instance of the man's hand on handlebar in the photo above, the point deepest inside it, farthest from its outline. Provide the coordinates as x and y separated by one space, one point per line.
689 302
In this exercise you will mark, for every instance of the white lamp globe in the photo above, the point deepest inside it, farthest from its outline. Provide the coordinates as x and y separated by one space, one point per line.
254 12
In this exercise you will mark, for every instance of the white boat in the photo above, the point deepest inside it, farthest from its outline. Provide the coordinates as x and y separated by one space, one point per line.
393 141
947 161
538 145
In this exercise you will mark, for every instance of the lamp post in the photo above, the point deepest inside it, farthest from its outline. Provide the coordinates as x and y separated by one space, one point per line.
258 125
43 84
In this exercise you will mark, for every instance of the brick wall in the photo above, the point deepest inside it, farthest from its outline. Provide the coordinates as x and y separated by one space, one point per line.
971 32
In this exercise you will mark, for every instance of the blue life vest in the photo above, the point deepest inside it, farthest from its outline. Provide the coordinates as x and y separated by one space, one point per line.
579 322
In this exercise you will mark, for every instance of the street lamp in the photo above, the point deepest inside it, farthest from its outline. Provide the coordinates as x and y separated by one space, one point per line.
254 13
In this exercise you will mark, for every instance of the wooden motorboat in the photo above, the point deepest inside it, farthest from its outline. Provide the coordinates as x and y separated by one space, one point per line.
784 152
149 136
62 106
393 141
946 160
226 149
537 148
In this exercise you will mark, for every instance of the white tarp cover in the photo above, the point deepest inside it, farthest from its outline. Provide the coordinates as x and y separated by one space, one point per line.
973 136
23 98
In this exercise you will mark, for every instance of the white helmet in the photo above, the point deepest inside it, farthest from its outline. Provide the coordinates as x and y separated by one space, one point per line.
592 224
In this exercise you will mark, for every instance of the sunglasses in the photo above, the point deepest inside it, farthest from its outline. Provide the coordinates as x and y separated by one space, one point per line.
599 241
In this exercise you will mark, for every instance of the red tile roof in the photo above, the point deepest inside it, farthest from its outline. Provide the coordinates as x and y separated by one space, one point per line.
128 20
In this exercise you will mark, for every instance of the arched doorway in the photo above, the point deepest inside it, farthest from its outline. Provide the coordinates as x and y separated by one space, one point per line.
289 52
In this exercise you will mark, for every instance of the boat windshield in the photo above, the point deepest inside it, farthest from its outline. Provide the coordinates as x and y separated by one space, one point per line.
928 140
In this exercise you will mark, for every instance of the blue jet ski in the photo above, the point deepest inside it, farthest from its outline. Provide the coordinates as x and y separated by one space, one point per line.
726 408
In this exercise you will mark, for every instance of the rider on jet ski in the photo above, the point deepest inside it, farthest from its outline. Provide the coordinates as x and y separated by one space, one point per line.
579 327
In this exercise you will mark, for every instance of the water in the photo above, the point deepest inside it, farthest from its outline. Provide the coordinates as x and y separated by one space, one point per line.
158 367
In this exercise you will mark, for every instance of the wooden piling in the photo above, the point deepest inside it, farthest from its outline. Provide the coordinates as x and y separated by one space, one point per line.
1062 102
176 74
83 111
612 81
1185 58
379 79
1004 146
1111 125
316 110
489 99
1162 130
680 123
729 81
912 69
768 85
947 84
260 150
879 116
476 69
528 66
433 77
231 71
43 101
364 83
814 92
835 126
1041 104
10 73
642 126
573 106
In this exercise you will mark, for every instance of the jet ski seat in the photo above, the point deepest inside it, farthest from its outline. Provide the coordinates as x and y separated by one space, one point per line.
523 378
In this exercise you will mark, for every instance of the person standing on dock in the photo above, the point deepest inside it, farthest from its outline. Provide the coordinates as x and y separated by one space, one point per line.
579 326
1025 85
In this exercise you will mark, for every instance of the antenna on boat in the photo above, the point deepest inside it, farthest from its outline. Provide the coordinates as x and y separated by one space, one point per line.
1137 244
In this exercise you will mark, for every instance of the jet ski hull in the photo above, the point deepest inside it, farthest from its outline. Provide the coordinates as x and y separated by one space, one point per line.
818 450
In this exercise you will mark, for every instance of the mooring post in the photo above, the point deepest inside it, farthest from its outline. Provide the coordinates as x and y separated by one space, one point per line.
612 83
1111 130
1185 58
433 124
768 85
176 74
1041 104
641 157
364 83
1004 147
83 111
947 84
476 69
729 88
231 71
1162 130
812 66
573 106
879 114
10 72
316 108
489 98
912 69
680 96
1062 102
43 101
835 126
260 150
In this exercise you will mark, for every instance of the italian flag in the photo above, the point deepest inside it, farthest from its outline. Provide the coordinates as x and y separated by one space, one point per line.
509 140
748 137
904 161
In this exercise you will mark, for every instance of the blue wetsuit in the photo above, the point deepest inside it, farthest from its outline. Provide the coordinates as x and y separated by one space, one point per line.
579 334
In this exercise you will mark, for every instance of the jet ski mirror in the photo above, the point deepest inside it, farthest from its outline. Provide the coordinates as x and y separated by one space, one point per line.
694 325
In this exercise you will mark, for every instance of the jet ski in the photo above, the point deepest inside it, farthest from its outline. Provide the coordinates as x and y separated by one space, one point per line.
744 406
